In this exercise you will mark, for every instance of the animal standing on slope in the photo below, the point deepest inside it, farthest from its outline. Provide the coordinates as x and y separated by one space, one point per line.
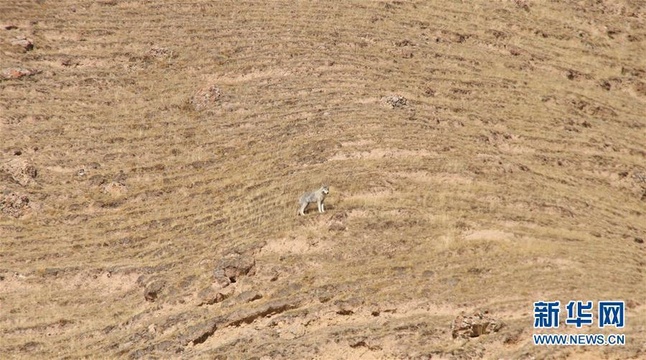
316 196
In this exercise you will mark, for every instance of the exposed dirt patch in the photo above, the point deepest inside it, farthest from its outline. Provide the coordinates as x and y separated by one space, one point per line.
381 154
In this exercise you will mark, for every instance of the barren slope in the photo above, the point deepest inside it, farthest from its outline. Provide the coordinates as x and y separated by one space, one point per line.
481 156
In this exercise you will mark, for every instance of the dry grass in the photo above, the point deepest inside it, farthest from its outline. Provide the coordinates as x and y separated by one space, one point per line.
510 176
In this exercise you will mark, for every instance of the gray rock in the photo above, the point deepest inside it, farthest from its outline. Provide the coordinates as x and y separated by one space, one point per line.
474 325
229 268
153 289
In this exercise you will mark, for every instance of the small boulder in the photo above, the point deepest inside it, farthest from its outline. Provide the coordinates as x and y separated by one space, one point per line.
24 43
160 52
362 341
20 170
229 268
205 97
153 289
17 73
474 325
395 101
14 204
347 307
199 333
213 295
115 189
248 296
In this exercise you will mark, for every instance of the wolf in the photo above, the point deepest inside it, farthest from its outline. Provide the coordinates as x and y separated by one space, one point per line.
316 196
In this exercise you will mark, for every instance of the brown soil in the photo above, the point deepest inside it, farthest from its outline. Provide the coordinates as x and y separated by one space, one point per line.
481 156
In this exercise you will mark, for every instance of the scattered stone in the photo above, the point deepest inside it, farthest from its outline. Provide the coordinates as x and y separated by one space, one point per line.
212 295
522 4
23 42
324 293
640 88
159 52
31 346
347 307
153 289
14 204
395 101
97 180
474 325
445 36
21 171
229 268
639 240
248 296
634 72
406 54
572 74
477 270
363 342
115 189
17 73
121 177
70 62
198 334
376 310
604 84
9 27
205 97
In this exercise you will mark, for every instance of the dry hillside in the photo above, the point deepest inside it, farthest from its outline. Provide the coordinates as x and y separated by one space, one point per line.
481 156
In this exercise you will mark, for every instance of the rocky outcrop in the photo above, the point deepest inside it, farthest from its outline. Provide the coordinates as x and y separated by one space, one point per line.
474 325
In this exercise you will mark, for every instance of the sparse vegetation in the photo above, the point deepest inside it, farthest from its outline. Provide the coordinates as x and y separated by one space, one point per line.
481 156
